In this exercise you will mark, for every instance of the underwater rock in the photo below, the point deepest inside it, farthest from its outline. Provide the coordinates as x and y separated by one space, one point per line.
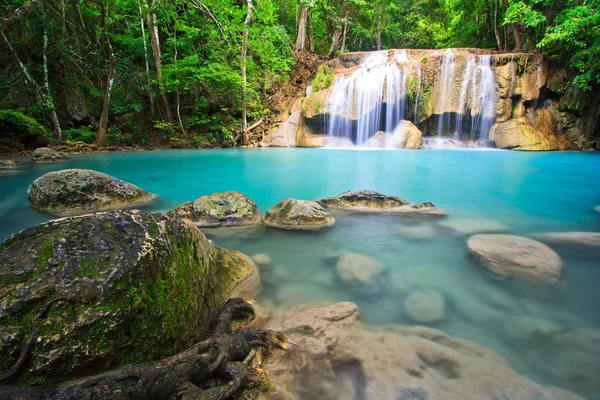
425 306
81 191
298 215
509 256
220 210
118 287
419 232
392 362
262 259
519 134
370 201
9 164
525 327
580 240
45 155
471 226
597 209
357 269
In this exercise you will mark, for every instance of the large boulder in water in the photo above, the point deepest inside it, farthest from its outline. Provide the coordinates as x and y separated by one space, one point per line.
425 306
298 215
509 256
121 287
405 136
577 240
9 164
81 191
370 201
45 155
357 269
519 134
220 209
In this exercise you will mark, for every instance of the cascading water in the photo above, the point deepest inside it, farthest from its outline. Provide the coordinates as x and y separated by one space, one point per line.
372 99
448 69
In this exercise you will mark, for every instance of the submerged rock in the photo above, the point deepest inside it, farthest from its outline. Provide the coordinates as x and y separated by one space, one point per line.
394 362
580 240
370 201
597 209
358 269
220 209
425 306
509 256
9 164
519 134
120 287
44 155
81 191
262 259
298 215
471 226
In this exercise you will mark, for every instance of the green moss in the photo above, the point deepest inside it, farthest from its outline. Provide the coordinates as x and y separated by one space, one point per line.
21 122
109 227
88 268
412 87
317 106
323 79
45 254
424 59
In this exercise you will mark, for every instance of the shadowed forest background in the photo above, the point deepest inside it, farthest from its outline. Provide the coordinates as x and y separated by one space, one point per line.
209 73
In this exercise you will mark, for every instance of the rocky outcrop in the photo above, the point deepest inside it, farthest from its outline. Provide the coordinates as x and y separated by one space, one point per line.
370 201
338 357
519 134
285 135
7 164
405 136
508 256
298 215
82 191
578 240
44 155
220 209
425 306
98 291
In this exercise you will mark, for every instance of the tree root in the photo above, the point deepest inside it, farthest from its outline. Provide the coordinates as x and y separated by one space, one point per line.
225 366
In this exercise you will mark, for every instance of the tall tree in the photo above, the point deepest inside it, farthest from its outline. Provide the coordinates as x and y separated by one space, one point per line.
110 78
155 40
247 21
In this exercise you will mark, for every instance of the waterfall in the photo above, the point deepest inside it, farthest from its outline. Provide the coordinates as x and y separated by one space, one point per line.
448 67
372 99
485 98
467 78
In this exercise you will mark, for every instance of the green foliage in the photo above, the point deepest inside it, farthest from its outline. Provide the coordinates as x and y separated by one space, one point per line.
317 106
323 79
21 122
85 134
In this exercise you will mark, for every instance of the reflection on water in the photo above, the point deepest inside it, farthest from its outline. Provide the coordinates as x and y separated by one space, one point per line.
550 336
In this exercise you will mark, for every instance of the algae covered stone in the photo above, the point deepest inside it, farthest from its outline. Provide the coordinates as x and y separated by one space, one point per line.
370 201
220 209
509 256
9 164
44 155
127 286
81 191
298 215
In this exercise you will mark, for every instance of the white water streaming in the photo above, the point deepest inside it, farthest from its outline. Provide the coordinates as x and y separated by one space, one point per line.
448 69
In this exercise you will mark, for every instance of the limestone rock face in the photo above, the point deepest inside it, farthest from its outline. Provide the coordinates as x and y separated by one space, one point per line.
44 155
425 306
370 201
358 269
131 287
298 215
519 134
509 256
285 135
220 209
81 191
338 357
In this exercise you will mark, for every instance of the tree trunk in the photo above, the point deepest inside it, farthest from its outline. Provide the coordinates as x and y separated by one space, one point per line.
311 36
301 37
19 13
335 43
177 79
245 139
150 94
154 39
56 130
516 31
103 125
496 30
344 37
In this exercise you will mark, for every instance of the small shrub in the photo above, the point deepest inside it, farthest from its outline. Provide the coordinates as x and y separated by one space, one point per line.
86 134
324 76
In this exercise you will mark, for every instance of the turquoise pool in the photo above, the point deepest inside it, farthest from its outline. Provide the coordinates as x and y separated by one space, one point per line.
514 192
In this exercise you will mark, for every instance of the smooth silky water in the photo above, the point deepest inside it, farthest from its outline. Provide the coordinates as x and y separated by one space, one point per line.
521 193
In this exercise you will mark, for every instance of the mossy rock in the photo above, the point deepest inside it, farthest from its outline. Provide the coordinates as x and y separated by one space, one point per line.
82 191
18 132
370 201
220 209
137 287
298 215
9 164
44 155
